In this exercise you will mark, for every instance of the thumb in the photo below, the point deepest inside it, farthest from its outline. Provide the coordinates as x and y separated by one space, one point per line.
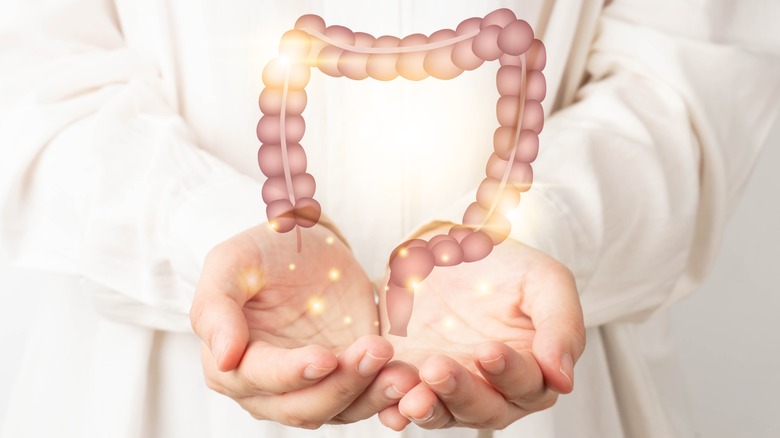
220 323
557 346
560 332
217 315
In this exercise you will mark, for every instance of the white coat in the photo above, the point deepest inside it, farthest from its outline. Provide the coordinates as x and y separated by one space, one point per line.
127 150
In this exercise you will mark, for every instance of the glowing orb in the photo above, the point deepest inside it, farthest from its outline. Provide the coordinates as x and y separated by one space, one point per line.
483 289
449 323
337 51
316 306
251 280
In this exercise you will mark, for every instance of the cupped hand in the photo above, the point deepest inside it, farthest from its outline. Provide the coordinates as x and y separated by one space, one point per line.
494 340
293 337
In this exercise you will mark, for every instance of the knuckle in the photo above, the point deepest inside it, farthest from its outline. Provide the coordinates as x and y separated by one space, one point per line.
299 421
503 423
220 389
427 425
355 413
212 383
257 416
339 419
196 314
342 391
248 405
495 419
580 333
217 252
559 270
436 423
252 381
537 401
343 418
578 330
550 268
547 402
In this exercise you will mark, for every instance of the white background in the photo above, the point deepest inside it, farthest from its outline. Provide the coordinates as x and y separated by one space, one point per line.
728 333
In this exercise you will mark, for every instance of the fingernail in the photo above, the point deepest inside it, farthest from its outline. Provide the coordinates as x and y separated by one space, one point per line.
393 393
313 372
494 366
371 364
444 386
427 416
567 368
219 347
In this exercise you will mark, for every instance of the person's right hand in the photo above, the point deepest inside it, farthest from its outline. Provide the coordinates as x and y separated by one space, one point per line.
293 337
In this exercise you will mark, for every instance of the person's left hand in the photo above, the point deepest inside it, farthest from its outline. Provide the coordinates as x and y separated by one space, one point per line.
494 340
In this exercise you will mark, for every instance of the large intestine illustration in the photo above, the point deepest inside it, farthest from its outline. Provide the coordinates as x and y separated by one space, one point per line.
339 52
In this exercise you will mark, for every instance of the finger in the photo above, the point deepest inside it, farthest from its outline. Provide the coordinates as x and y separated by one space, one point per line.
317 404
267 369
515 374
421 406
392 383
392 418
470 400
216 314
220 322
554 306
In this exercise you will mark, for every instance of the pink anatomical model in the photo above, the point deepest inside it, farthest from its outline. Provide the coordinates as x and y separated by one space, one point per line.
337 51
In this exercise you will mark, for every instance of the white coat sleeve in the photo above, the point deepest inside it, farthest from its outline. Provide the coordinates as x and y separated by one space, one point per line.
638 177
101 177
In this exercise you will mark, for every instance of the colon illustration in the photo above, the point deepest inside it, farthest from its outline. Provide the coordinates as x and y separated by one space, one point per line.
337 51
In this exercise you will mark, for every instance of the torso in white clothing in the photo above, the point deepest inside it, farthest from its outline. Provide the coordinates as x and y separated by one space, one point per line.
387 156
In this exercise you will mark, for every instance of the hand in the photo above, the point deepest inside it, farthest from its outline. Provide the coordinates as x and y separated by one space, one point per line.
293 336
494 341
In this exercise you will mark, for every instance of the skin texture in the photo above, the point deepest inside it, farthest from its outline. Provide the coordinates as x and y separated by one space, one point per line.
503 346
494 338
276 339
490 340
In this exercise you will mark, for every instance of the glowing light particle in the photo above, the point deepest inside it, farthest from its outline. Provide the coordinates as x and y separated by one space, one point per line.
376 323
521 87
252 280
449 323
291 266
316 306
483 289
347 320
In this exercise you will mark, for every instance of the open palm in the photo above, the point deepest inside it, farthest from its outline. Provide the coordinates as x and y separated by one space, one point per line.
318 296
458 307
293 336
518 306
